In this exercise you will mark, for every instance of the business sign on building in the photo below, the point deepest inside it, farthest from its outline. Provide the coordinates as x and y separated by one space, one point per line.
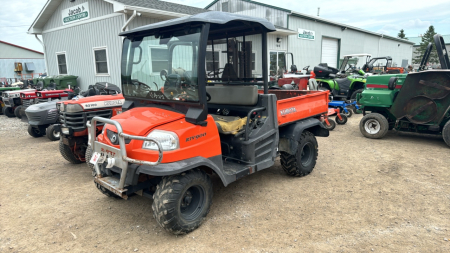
75 13
306 34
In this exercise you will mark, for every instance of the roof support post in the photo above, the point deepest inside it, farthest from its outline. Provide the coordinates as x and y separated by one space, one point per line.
265 65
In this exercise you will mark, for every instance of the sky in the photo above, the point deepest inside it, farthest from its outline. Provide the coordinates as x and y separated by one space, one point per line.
387 17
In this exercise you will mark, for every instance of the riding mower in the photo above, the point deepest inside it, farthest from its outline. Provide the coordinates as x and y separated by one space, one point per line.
414 103
4 89
12 101
102 99
342 85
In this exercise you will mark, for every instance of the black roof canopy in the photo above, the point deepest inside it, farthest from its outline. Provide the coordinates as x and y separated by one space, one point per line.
235 23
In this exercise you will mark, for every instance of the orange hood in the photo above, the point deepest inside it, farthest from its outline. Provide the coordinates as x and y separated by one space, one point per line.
139 121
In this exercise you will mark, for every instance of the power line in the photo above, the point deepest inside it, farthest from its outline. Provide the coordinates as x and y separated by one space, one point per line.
14 26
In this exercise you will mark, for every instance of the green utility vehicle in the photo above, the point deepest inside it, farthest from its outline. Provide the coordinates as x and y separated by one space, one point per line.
343 83
415 102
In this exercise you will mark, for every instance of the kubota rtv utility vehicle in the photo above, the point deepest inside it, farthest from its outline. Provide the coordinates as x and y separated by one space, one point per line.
415 102
178 130
101 99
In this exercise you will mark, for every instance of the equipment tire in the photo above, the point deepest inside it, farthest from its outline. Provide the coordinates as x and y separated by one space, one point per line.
331 126
343 121
51 135
348 114
374 126
304 160
8 111
33 131
330 95
353 96
88 157
17 112
181 202
446 133
66 152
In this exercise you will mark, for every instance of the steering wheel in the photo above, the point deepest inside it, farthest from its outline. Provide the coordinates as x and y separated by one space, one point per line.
142 87
217 72
163 74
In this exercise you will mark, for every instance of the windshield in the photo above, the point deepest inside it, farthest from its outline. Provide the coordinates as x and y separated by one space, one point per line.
162 67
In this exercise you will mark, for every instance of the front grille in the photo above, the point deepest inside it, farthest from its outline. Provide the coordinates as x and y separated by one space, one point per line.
33 117
6 102
51 115
77 120
27 102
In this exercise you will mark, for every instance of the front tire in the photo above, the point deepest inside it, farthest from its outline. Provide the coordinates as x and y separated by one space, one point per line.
446 133
17 112
88 159
34 132
181 202
355 93
343 121
52 134
374 126
331 126
304 161
8 111
348 114
67 153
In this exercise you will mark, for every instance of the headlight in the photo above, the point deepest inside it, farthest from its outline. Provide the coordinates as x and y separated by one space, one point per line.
168 140
73 108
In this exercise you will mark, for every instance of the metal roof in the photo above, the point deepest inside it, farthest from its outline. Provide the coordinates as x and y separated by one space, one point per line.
165 6
253 2
214 17
4 42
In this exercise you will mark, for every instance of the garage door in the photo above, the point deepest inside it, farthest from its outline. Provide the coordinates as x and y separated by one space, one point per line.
330 51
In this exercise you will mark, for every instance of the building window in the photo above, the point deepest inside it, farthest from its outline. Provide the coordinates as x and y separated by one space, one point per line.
209 60
62 63
159 58
225 6
101 61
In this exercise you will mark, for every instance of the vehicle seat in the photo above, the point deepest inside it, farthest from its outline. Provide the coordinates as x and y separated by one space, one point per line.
235 96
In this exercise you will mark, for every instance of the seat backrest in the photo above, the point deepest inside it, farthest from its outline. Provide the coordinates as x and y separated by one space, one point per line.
228 73
233 94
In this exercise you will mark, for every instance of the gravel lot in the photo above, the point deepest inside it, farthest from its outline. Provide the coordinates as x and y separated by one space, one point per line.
389 195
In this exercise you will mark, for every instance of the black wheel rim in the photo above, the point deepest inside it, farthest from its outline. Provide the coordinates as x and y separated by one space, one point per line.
36 131
307 154
192 203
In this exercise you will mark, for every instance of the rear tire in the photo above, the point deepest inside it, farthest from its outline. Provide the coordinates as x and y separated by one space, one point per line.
34 131
446 133
374 126
51 134
343 121
331 126
8 111
67 153
353 96
17 112
181 202
304 161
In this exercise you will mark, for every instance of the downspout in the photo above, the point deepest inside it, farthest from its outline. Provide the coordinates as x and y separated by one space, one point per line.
379 42
45 54
130 19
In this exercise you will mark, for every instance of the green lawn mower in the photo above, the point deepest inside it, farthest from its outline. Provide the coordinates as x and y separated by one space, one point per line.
415 102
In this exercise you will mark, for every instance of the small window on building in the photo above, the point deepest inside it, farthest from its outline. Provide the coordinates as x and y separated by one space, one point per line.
62 63
160 59
101 61
209 61
225 6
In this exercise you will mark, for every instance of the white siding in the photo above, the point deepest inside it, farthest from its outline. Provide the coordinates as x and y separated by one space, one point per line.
97 8
308 52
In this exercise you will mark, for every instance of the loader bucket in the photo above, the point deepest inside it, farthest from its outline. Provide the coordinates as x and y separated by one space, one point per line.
424 97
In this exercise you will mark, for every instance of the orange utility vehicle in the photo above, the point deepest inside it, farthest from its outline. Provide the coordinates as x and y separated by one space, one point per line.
182 127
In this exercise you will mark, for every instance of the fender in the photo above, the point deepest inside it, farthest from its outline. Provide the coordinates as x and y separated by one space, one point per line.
166 169
290 134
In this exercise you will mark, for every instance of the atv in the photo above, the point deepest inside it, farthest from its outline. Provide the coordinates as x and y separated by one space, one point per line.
341 85
178 130
101 99
415 102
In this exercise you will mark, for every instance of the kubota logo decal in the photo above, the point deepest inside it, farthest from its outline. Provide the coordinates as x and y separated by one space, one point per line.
287 111
195 137
103 104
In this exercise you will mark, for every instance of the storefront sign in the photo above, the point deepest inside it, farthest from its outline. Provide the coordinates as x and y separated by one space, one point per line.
75 13
306 34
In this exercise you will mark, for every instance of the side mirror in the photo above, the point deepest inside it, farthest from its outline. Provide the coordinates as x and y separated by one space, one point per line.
392 83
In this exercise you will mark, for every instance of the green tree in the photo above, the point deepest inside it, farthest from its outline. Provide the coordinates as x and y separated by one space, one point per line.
401 34
420 51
